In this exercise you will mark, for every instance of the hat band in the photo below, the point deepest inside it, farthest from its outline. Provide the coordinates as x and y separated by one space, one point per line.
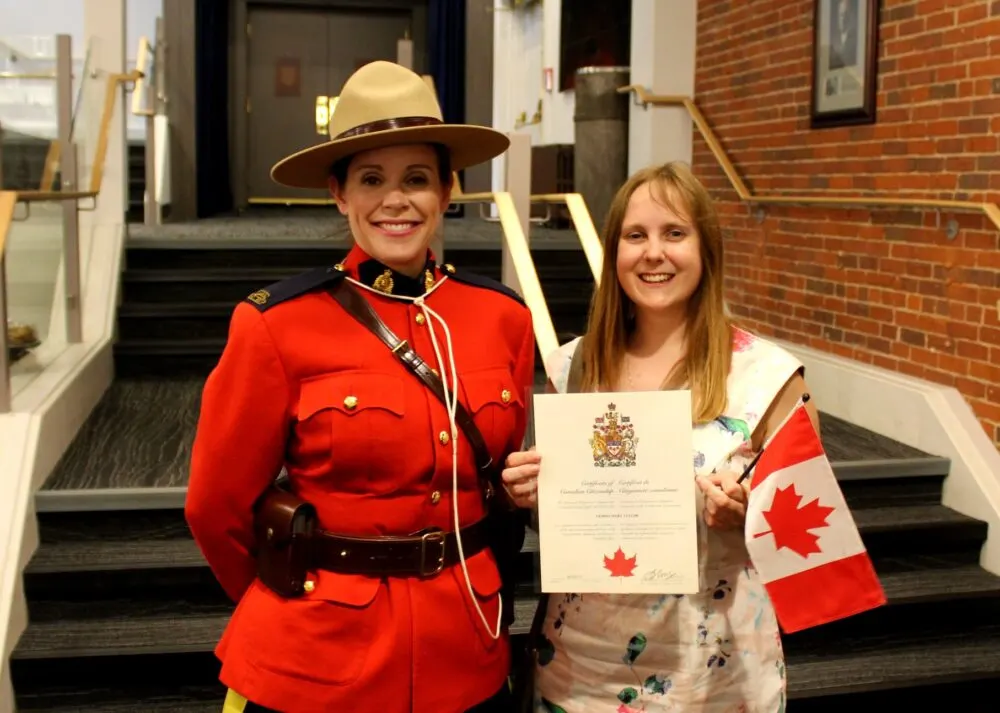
404 122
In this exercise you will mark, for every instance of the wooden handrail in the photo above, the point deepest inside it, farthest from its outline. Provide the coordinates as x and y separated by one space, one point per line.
645 97
46 196
7 201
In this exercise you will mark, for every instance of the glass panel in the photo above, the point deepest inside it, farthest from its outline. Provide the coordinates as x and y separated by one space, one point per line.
90 90
36 310
28 112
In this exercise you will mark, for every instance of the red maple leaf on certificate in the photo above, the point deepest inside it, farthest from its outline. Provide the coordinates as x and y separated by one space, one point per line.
619 565
791 523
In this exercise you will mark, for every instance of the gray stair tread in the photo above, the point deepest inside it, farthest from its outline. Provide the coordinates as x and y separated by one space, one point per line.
844 441
158 309
922 578
106 628
168 699
879 663
906 517
139 434
115 554
213 345
114 627
127 444
161 539
323 227
868 520
209 274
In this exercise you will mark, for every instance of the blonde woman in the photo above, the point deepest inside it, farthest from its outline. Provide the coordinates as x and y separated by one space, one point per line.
658 322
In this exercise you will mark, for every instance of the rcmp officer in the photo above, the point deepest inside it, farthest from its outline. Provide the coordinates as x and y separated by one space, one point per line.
389 598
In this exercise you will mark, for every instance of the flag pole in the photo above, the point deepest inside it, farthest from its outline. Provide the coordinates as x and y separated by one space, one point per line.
803 400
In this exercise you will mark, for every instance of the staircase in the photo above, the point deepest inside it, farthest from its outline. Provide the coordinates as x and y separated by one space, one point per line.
124 614
177 301
136 195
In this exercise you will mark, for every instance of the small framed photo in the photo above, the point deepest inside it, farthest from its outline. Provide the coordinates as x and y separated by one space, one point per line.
845 62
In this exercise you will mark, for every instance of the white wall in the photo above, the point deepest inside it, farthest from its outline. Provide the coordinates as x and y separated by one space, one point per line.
45 18
664 133
525 43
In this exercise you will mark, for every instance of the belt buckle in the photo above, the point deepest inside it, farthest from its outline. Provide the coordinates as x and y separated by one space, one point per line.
438 537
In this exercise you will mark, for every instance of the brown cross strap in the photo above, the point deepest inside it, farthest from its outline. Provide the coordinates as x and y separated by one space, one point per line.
358 307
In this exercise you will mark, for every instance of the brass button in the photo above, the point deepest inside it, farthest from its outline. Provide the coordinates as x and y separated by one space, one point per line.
435 372
339 267
435 497
444 438
309 585
449 268
350 402
420 318
505 396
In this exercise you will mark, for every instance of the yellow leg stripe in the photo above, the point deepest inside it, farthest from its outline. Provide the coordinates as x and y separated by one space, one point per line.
235 703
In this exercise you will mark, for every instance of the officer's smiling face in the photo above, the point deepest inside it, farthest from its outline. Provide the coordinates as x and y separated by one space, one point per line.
393 199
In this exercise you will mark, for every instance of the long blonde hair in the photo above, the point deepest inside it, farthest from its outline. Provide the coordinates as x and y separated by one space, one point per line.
705 365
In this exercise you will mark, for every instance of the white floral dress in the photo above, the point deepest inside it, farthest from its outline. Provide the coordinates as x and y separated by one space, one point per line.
718 651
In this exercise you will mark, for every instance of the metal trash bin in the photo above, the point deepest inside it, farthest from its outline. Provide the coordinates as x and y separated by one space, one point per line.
600 152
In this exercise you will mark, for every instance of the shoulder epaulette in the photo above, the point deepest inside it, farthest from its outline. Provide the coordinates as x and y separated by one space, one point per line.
294 286
472 278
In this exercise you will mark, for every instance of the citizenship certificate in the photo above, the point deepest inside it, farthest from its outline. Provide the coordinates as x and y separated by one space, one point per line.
617 500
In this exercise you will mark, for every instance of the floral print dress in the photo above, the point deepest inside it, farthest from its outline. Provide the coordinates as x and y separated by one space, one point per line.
717 651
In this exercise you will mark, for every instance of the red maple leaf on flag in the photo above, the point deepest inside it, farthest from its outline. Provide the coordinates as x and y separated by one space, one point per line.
619 565
791 523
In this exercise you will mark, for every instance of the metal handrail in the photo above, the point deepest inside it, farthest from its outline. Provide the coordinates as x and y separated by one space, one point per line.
100 153
524 266
644 98
15 75
583 223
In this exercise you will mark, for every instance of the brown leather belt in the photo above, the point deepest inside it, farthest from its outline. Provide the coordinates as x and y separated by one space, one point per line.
422 554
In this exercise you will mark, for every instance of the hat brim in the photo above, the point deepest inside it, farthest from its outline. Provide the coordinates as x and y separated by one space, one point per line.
467 145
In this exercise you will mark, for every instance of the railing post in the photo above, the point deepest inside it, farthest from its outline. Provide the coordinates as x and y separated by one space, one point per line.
159 110
69 182
4 354
151 209
151 212
517 181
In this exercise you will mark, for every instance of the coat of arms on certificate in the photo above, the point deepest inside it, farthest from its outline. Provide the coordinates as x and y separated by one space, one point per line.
613 442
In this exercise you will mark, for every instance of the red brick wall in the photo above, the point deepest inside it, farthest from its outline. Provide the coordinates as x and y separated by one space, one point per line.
884 287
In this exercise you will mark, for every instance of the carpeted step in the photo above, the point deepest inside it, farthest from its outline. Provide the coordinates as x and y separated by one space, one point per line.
170 623
179 321
930 652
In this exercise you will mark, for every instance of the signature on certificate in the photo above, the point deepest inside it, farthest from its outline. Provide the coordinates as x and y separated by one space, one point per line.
660 575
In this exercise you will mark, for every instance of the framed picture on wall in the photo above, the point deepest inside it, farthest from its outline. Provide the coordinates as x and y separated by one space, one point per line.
845 62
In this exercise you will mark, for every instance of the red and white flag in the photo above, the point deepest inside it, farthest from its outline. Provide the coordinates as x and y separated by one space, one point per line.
801 536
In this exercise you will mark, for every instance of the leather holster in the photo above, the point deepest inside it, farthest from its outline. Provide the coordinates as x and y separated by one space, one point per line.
283 526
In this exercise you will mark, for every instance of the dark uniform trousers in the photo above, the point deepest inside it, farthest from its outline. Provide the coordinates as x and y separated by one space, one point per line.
500 702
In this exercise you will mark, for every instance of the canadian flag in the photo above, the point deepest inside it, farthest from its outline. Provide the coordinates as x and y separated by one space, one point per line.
801 536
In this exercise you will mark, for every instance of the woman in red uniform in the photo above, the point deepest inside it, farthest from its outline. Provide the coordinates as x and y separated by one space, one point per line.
398 606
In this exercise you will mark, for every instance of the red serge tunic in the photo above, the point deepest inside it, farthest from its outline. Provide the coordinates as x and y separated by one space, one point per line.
302 384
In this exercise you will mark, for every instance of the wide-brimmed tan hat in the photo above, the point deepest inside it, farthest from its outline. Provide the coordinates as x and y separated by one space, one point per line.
385 104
